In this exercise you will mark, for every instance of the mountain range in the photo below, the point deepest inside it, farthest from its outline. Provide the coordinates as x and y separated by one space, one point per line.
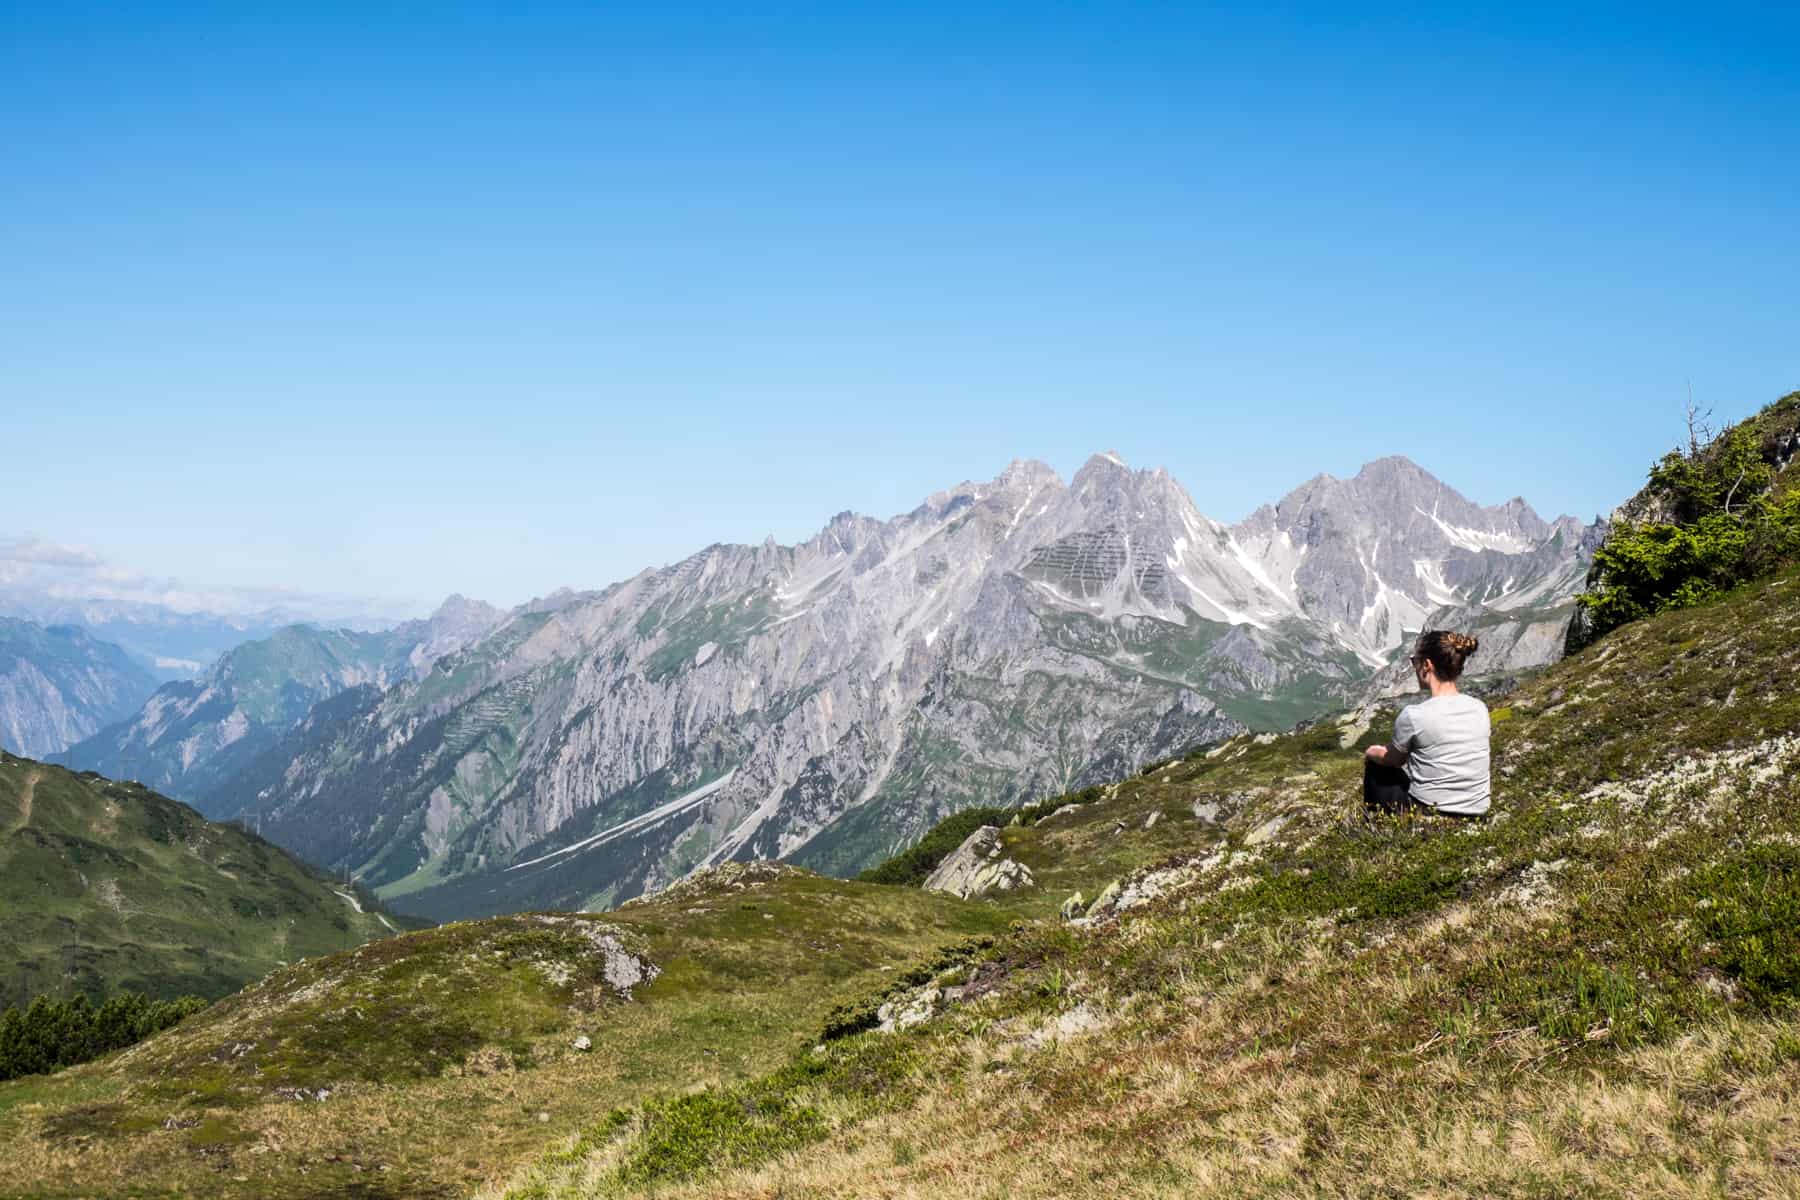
826 702
191 736
1285 999
173 629
1203 982
59 684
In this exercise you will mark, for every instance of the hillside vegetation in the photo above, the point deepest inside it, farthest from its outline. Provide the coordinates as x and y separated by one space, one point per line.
1715 513
108 886
1594 993
48 1035
427 1064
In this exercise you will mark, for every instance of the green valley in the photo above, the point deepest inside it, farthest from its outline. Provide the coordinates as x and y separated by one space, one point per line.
108 886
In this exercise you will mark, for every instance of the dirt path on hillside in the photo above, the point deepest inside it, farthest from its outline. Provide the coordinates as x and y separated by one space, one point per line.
25 796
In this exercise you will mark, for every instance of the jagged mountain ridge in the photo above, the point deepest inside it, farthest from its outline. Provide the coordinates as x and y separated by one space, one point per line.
827 701
58 685
192 736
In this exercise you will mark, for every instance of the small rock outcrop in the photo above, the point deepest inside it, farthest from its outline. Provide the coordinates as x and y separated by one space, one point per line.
1107 895
909 1009
979 866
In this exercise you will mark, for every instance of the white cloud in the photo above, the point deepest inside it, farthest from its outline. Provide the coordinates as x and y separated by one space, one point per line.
41 578
41 552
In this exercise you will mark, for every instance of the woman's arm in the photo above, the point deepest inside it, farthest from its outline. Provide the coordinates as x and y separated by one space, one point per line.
1386 756
1392 754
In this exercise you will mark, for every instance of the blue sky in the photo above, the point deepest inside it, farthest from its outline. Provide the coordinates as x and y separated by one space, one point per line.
399 300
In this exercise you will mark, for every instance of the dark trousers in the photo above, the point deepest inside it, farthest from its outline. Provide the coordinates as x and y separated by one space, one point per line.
1389 790
1385 789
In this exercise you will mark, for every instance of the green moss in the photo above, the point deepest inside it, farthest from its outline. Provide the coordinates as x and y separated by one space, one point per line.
218 1133
725 1128
1749 906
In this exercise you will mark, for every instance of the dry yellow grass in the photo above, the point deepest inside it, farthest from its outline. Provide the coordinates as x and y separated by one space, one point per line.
1192 1107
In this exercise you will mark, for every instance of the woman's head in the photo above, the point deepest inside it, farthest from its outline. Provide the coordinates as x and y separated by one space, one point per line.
1445 651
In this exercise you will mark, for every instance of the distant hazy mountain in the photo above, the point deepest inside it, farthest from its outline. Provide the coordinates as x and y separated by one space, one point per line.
826 702
173 629
58 685
192 736
107 886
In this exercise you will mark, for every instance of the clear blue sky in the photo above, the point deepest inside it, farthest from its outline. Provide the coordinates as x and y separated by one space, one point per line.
397 300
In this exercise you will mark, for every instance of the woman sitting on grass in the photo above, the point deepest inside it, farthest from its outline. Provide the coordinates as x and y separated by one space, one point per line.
1438 761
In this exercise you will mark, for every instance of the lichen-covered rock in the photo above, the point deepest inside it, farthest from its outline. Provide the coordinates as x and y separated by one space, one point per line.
622 969
979 866
1266 831
909 1009
1105 898
1079 1021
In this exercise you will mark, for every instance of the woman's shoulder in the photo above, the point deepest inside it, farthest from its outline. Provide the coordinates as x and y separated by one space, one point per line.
1441 704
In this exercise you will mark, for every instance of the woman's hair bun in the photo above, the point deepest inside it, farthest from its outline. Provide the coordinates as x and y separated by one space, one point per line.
1446 650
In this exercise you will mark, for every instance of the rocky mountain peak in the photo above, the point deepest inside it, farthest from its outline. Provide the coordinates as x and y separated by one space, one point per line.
458 609
1100 470
825 701
1027 473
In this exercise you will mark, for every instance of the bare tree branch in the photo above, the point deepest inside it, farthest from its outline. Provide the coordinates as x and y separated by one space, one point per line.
1734 487
1699 425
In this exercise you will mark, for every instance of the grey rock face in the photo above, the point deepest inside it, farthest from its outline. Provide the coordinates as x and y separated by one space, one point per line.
979 866
1522 609
827 702
58 685
192 736
1375 556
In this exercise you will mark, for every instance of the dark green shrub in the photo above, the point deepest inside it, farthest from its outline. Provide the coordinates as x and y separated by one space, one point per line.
913 867
49 1035
863 1013
1711 517
722 1128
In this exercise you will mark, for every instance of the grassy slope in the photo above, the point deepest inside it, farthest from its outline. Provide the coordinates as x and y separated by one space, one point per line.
1594 993
107 885
448 1053
1590 994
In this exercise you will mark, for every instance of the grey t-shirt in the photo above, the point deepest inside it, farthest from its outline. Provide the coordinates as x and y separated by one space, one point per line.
1446 741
